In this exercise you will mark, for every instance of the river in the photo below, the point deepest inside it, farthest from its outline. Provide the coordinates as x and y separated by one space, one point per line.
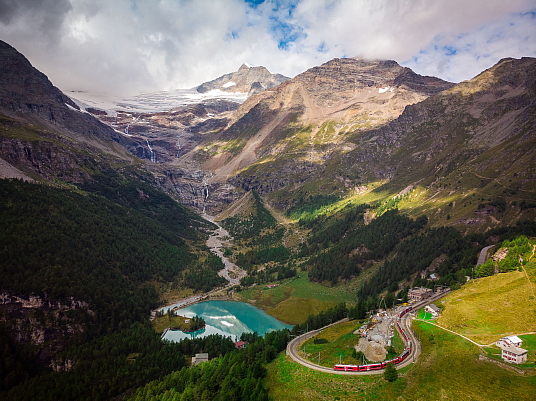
217 241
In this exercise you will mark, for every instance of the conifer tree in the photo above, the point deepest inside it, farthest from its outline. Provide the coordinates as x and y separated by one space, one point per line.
390 374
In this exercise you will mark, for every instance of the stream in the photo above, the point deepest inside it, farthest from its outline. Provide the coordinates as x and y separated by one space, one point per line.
217 241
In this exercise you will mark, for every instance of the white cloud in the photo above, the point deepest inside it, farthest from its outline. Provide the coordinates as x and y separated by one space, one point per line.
130 46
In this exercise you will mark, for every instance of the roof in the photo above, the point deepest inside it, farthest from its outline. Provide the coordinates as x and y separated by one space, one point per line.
514 339
419 290
515 350
201 356
434 308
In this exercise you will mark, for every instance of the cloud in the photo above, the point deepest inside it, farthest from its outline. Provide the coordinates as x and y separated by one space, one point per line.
463 56
131 46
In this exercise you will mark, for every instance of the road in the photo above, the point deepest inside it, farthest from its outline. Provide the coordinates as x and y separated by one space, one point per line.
483 255
293 352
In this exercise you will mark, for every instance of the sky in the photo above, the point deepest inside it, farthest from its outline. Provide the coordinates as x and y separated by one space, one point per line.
127 47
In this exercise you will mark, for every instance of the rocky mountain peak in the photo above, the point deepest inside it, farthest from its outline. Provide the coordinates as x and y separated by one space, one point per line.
27 93
247 79
24 88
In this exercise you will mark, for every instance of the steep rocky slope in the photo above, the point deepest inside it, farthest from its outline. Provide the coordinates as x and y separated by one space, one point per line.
63 268
43 134
317 108
348 126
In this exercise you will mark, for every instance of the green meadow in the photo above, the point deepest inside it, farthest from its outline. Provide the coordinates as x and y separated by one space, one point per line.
448 368
489 308
293 300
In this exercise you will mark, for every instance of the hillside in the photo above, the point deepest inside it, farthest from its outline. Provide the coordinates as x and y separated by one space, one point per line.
461 154
487 309
378 177
449 366
337 97
88 243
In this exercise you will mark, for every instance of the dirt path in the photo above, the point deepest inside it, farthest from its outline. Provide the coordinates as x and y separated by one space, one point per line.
453 332
468 339
531 286
499 183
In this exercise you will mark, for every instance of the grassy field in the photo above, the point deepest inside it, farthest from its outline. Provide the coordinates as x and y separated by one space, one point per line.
341 340
164 322
491 307
448 368
294 300
422 314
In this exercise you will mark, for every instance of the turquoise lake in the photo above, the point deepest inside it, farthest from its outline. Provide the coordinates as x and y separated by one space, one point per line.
227 318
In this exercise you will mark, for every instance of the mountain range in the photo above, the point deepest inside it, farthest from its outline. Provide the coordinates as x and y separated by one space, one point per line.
349 165
349 127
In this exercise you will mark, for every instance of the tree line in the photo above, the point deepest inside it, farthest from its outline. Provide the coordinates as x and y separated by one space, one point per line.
111 365
58 243
346 246
237 375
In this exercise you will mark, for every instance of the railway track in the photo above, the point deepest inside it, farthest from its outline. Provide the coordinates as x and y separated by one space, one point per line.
411 341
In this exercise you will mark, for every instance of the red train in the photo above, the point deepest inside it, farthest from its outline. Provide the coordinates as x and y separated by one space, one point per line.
374 366
381 365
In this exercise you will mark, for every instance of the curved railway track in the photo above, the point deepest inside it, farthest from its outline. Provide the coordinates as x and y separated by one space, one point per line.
410 342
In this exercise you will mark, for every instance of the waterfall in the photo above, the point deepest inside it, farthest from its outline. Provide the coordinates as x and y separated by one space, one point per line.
179 146
206 195
205 192
152 153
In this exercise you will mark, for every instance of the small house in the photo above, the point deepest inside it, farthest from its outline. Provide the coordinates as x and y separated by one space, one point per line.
199 358
510 341
433 309
240 345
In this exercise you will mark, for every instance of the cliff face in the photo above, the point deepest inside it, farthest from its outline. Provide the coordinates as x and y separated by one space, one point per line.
43 134
336 128
43 324
475 118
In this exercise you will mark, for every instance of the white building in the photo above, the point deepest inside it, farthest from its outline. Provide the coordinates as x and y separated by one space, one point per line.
199 358
510 341
514 354
434 310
